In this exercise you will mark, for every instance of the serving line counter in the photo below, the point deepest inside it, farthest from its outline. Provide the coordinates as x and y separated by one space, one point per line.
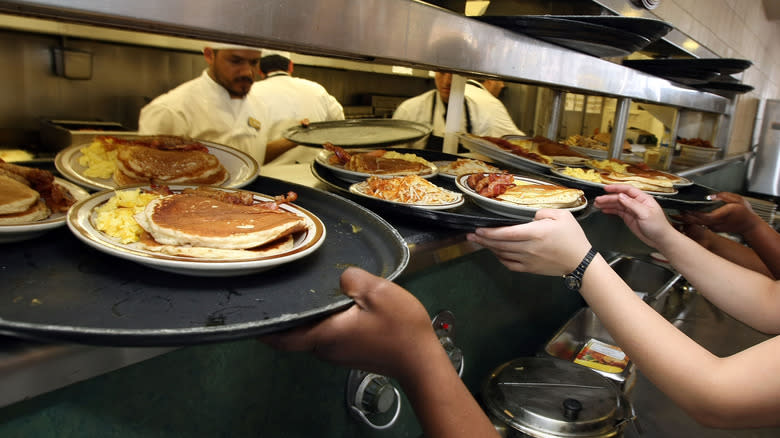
239 386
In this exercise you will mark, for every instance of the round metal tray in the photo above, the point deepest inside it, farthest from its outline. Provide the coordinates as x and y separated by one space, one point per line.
56 288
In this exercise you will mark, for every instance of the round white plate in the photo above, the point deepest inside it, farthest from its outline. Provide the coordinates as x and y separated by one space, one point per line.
681 182
442 172
506 208
15 233
352 176
557 171
492 150
80 222
358 189
241 167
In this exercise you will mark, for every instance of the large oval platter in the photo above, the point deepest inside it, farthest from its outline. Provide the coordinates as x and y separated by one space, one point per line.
241 167
578 182
677 181
30 230
323 158
489 149
360 188
81 222
506 208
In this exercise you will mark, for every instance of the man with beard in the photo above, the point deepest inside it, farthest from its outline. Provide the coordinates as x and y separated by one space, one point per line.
214 106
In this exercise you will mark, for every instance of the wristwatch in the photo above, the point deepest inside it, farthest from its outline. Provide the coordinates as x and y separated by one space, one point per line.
573 281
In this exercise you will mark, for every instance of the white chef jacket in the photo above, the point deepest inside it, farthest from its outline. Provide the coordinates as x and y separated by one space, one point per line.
203 109
485 115
290 100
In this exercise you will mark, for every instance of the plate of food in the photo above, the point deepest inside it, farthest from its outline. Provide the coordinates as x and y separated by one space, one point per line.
638 169
463 166
506 152
409 190
599 178
118 161
33 201
197 230
518 196
536 154
357 165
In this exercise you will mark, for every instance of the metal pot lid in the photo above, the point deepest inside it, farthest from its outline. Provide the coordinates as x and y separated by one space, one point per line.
548 397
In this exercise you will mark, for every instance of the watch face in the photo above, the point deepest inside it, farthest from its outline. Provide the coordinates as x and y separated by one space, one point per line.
572 282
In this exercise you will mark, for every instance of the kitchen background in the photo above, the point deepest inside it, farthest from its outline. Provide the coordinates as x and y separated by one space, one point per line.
125 77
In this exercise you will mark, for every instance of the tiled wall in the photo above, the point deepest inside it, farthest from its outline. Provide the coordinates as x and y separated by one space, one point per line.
735 29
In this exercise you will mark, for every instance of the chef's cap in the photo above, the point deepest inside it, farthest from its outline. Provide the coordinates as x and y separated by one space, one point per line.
271 52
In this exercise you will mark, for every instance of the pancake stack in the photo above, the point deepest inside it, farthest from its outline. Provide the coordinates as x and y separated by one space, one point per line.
19 203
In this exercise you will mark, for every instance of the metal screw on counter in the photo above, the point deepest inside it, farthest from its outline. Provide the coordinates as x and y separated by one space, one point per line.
371 396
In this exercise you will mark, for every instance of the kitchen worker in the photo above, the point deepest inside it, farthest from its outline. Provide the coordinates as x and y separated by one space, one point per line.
738 391
291 100
762 253
484 114
214 106
494 86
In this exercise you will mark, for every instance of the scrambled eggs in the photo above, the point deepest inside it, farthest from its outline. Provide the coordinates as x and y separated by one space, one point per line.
115 217
580 173
609 165
99 160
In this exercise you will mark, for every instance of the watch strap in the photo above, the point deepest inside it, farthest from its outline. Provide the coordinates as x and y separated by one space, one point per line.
574 279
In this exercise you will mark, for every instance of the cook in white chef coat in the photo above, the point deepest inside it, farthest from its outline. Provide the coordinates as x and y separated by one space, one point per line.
290 100
214 106
484 114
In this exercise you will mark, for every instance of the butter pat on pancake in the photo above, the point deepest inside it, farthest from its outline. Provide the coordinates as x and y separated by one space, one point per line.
191 219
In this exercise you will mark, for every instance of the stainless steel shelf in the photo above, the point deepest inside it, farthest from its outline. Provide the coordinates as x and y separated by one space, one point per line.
397 32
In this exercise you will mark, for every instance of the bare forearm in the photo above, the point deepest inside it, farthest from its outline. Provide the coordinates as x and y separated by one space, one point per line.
765 241
740 254
649 339
751 297
444 406
277 147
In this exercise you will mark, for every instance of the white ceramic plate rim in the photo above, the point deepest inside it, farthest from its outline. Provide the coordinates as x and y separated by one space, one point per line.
506 207
352 176
19 231
355 188
682 182
556 171
80 223
241 167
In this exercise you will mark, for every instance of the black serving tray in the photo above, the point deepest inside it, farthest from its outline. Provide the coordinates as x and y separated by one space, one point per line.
590 38
465 217
56 288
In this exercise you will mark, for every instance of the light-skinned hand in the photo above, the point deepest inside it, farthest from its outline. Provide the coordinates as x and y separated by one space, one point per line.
639 211
553 244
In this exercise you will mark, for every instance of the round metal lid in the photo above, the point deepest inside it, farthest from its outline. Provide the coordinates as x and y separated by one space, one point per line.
547 397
